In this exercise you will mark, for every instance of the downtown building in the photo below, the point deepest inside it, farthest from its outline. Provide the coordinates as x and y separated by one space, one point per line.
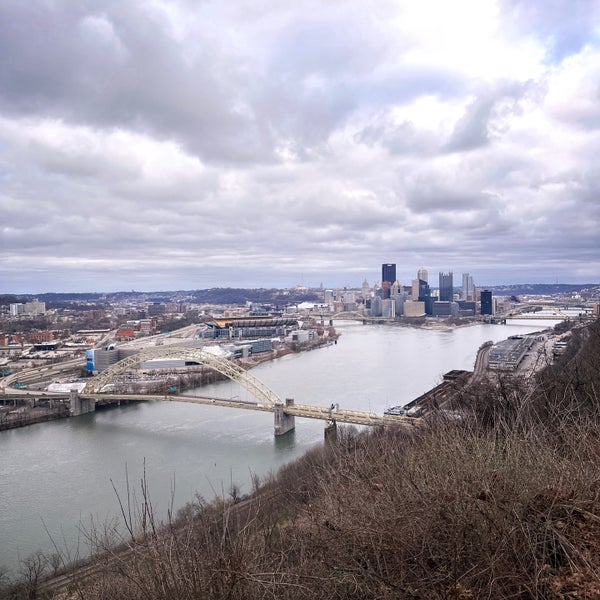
487 306
446 287
468 289
388 277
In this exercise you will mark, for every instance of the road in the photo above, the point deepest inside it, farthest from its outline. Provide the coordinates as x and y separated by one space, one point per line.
481 362
37 374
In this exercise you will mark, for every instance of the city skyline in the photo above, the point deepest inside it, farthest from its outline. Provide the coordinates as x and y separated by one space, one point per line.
177 145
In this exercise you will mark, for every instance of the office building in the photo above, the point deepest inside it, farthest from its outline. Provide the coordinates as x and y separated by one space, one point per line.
35 307
486 303
366 290
376 306
446 287
468 289
467 308
443 308
424 291
399 296
421 292
388 276
388 308
414 309
415 289
388 273
423 275
17 309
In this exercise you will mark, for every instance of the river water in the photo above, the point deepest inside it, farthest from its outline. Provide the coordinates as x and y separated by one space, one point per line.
58 479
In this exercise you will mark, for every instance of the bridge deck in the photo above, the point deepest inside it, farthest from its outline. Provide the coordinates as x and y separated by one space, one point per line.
209 401
357 417
308 411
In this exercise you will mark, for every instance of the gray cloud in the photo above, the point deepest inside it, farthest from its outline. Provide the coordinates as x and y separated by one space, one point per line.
565 27
169 144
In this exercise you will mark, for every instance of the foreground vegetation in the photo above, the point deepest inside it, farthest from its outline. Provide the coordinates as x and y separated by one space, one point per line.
504 503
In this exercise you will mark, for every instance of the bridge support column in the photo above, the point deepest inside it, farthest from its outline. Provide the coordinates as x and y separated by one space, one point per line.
80 406
283 422
330 432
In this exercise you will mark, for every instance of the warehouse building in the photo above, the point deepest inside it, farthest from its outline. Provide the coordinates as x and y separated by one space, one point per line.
508 354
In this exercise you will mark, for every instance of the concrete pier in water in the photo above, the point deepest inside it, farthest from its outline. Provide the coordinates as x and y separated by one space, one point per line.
283 422
81 406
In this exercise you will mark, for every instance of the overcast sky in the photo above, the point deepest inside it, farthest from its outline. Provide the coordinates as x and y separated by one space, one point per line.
162 145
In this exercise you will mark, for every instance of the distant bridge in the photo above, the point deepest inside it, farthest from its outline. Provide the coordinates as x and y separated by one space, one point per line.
530 311
349 315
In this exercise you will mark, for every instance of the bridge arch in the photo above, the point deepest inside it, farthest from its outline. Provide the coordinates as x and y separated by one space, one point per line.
229 369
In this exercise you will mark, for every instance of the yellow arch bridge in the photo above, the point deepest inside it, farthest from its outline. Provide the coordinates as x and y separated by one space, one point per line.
99 388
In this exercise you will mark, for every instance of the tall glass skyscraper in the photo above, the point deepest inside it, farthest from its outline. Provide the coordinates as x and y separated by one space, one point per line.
487 308
388 276
388 273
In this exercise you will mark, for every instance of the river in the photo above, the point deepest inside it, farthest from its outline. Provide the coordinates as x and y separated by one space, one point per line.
59 478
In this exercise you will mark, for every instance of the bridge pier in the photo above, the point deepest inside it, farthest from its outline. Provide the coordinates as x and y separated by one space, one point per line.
330 432
283 422
80 406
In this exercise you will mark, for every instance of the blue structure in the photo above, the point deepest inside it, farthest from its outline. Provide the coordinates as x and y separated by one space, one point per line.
89 360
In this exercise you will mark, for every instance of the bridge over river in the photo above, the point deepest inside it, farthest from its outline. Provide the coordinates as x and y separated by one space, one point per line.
100 390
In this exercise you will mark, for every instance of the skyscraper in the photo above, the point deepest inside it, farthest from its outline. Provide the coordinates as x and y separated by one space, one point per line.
425 294
422 274
468 291
487 307
366 290
388 273
388 276
415 289
446 287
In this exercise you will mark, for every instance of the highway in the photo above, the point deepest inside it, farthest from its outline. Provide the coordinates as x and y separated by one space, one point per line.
38 374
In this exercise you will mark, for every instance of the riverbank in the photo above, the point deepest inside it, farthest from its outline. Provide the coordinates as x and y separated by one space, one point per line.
13 417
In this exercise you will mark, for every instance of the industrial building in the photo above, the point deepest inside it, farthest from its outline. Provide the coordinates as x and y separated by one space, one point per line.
508 354
434 398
